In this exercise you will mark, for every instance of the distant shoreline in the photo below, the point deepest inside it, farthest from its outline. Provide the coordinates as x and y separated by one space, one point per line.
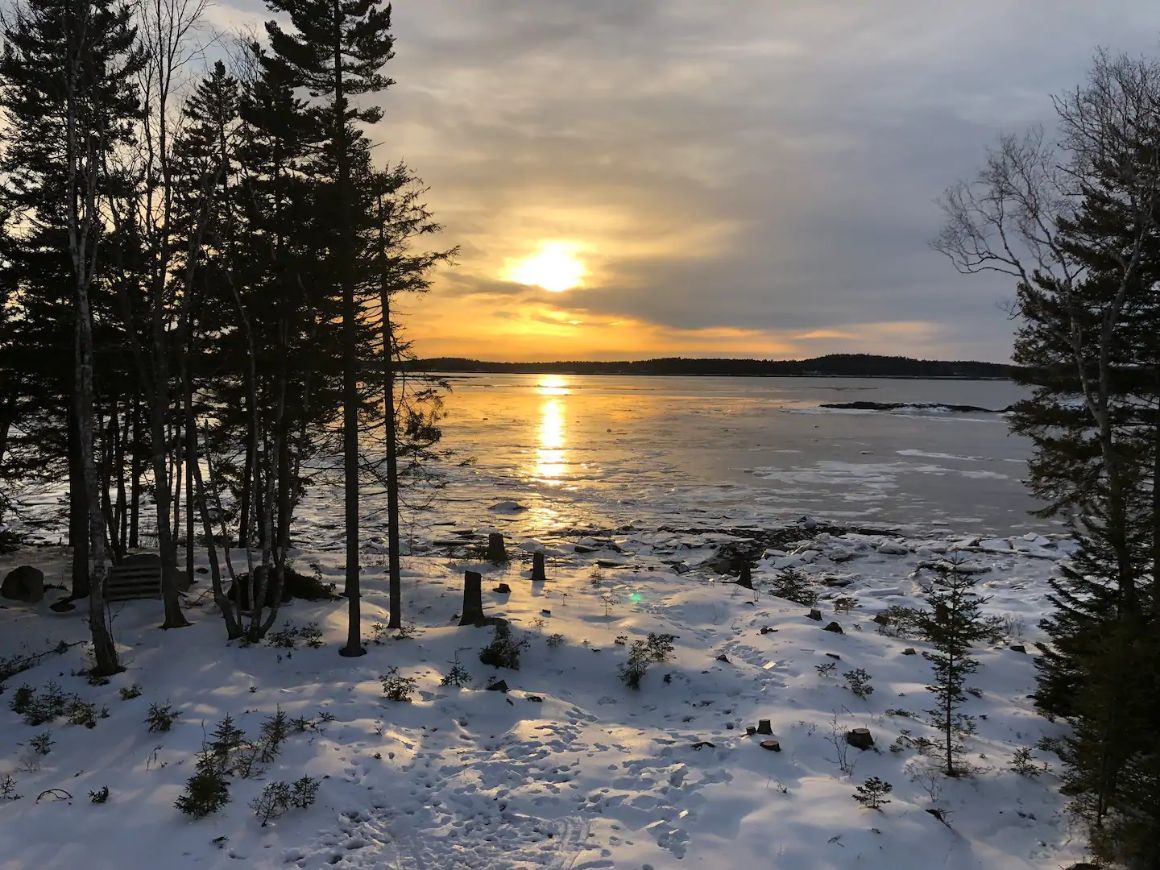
833 366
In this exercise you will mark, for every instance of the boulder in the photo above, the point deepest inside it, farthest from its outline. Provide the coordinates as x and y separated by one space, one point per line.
23 584
834 627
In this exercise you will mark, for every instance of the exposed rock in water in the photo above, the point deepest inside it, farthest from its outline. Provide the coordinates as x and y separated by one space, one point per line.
909 406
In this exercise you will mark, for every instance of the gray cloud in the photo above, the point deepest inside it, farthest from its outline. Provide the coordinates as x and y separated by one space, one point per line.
761 165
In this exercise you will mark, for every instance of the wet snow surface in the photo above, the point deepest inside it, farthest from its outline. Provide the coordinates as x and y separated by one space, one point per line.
569 768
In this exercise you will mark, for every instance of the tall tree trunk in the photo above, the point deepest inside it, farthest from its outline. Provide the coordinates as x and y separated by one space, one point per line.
78 505
354 645
391 428
135 472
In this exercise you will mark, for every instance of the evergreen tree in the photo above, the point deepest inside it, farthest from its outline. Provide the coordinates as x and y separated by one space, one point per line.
337 51
67 74
953 625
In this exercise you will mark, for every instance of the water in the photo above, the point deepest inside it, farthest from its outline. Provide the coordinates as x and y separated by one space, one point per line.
607 450
579 452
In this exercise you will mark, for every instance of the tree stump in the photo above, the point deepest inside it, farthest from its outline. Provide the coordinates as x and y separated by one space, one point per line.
860 738
495 548
745 578
472 611
815 614
763 727
539 575
771 745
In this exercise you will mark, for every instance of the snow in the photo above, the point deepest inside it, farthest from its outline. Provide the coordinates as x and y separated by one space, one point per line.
590 775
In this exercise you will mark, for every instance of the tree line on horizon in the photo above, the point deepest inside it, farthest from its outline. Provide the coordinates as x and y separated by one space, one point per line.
1074 222
197 272
852 365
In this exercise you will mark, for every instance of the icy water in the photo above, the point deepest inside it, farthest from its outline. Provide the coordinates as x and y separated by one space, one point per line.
651 451
541 456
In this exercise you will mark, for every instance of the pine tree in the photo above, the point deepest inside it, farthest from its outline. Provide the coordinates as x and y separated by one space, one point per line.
68 70
338 51
953 625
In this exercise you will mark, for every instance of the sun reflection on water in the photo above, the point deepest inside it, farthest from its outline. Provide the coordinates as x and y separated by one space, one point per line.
550 453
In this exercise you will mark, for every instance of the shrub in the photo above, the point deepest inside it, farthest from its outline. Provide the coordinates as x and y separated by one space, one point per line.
457 676
826 670
397 687
274 731
659 646
288 636
872 793
793 585
100 795
128 693
901 622
858 682
1024 764
555 640
504 650
161 717
22 699
279 797
81 713
42 743
207 791
8 788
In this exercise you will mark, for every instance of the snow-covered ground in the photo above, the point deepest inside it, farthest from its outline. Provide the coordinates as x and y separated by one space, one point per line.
569 767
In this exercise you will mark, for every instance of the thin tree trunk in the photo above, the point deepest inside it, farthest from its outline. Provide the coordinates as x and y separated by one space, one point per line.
78 512
354 645
391 429
135 480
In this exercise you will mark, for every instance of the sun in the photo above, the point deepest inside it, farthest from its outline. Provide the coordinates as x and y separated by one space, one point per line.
554 267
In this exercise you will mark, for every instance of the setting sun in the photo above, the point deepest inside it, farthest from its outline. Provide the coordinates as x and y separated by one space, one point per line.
555 267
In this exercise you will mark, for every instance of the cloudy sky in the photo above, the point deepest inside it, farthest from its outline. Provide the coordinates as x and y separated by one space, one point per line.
717 177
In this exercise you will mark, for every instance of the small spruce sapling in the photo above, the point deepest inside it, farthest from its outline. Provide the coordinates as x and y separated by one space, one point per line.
953 624
872 793
858 682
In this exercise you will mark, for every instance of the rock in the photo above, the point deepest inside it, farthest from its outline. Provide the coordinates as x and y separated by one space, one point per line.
498 686
837 582
860 738
545 612
723 658
765 629
834 656
881 618
891 548
1017 647
771 745
763 727
507 507
503 589
839 555
834 627
539 574
909 651
535 699
702 744
815 615
808 522
23 584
